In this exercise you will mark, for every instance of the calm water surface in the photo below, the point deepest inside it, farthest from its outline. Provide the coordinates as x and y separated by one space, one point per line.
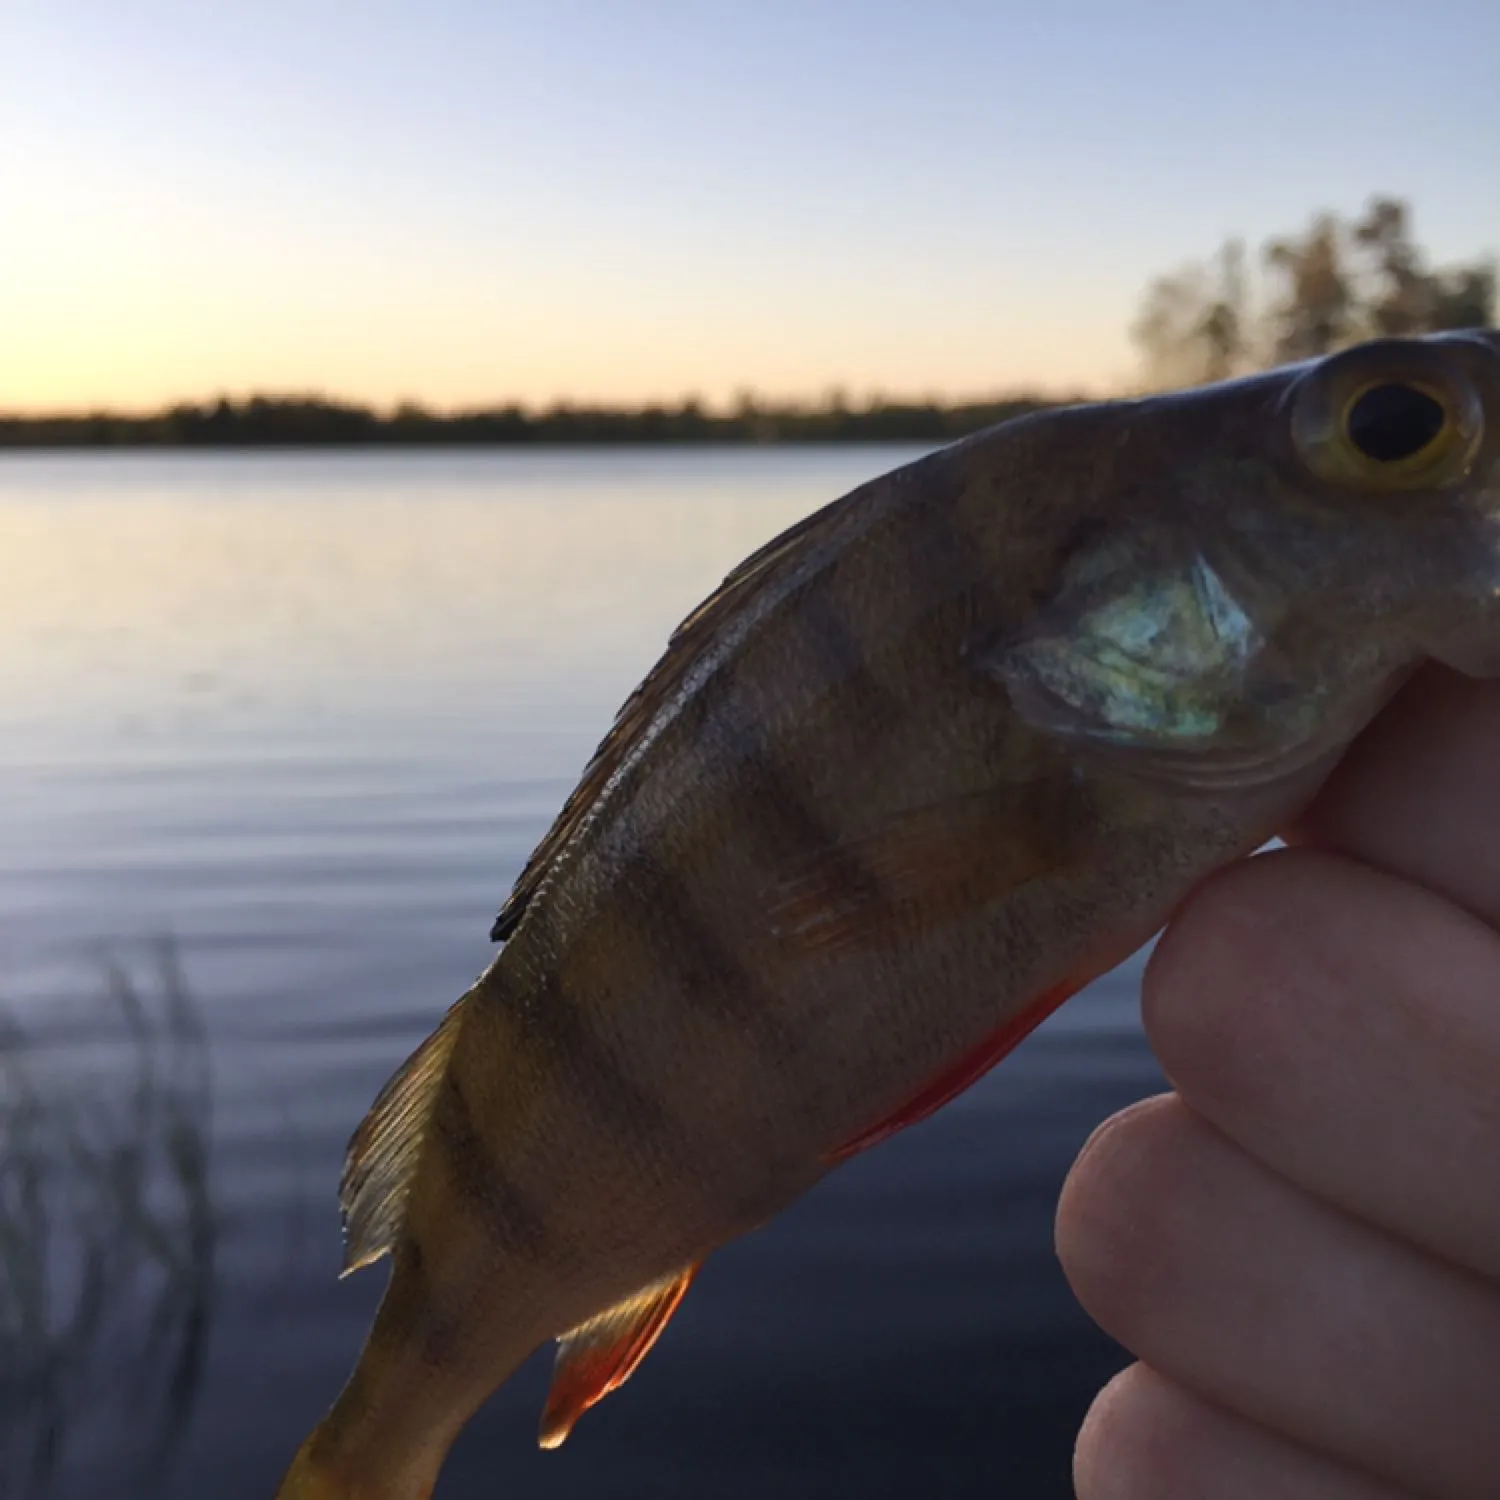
276 734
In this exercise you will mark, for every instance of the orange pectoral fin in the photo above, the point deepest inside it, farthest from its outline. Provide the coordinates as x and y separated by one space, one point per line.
600 1355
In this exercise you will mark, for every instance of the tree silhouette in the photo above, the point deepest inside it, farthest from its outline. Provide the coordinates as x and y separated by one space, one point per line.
1196 323
1332 284
1317 310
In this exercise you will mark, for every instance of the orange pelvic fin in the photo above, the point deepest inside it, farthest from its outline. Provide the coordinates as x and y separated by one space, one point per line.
970 1068
600 1355
957 1077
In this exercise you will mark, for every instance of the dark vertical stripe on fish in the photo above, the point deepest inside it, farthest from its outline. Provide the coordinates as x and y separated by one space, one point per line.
763 800
844 659
559 1027
514 1222
947 563
410 1317
401 1309
709 976
440 1333
775 800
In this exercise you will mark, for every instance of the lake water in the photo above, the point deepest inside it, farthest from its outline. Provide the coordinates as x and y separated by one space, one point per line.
276 734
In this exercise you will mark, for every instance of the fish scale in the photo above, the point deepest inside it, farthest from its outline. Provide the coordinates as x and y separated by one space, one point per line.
924 765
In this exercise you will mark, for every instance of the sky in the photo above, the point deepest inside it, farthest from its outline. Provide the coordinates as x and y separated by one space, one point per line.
467 202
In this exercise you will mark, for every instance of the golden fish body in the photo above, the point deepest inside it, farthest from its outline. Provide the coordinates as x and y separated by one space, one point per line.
925 764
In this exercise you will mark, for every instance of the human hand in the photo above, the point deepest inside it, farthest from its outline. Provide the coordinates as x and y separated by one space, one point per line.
1302 1244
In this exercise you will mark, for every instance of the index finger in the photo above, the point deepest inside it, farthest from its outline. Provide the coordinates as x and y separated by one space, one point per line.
1333 1010
1419 793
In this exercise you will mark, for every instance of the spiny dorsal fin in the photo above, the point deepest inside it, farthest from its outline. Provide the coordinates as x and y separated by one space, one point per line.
383 1152
635 717
600 1355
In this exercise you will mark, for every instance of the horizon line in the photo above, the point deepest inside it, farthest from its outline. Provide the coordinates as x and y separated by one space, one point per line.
748 400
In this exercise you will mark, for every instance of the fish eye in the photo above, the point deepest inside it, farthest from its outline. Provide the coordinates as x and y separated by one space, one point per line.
1390 423
1387 418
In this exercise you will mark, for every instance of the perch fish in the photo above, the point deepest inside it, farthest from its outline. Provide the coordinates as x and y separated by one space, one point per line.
921 768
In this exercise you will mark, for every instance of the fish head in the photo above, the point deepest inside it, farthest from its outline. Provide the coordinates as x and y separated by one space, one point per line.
1242 571
1386 462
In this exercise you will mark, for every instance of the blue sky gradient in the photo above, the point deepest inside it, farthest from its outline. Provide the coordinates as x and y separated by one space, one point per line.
625 201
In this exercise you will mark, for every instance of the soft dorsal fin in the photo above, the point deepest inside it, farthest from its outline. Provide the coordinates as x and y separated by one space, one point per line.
600 1355
741 586
383 1152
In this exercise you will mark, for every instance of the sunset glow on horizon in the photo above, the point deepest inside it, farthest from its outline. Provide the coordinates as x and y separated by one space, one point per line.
530 202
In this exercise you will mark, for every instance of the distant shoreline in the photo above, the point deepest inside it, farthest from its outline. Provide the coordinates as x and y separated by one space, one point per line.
271 422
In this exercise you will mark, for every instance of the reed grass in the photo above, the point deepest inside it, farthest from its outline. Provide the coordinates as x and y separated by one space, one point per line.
108 1231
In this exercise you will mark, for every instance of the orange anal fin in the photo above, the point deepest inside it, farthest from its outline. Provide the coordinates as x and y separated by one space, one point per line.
953 1080
600 1355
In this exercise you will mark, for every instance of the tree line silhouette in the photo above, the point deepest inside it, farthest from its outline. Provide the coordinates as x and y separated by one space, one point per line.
309 421
1338 281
